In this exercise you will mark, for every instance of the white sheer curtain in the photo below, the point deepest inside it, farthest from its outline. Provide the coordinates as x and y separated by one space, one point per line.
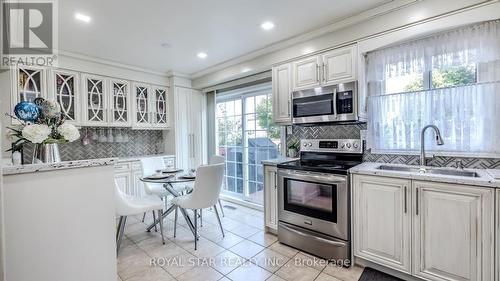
468 115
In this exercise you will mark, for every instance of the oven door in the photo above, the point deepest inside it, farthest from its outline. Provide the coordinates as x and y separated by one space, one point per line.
314 201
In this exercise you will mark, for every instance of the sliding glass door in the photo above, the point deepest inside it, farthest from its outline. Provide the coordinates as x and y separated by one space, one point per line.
246 135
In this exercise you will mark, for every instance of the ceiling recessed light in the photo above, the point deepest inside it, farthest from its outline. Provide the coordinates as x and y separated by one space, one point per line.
201 55
82 17
267 25
166 45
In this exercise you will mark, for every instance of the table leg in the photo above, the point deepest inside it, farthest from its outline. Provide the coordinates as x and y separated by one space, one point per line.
165 214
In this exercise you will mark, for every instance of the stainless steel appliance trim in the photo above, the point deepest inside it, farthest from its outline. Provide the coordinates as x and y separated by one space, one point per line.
315 237
339 229
317 244
318 91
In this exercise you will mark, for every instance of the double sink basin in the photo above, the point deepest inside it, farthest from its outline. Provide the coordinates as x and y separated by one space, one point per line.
430 170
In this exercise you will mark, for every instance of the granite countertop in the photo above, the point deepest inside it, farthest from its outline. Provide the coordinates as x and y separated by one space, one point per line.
278 160
137 158
489 178
34 168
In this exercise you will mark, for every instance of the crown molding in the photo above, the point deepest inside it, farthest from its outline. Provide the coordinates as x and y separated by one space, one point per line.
109 62
378 11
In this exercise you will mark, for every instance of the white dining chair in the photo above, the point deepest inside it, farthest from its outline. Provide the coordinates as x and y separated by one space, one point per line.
127 205
207 188
217 159
149 167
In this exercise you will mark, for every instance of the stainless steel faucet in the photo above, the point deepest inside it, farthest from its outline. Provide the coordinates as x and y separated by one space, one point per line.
439 141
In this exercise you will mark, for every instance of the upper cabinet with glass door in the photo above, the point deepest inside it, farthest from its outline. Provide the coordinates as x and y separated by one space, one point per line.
142 105
63 88
95 105
329 68
160 117
120 113
28 83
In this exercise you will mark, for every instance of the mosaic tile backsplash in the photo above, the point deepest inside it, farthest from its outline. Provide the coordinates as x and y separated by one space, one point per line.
126 143
353 132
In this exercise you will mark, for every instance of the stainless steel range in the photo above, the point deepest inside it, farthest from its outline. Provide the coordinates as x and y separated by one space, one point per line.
313 197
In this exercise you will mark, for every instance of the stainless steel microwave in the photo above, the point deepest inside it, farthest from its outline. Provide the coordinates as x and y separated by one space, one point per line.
337 103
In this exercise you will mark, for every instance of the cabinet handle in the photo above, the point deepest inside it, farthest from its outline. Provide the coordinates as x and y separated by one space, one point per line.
194 152
275 181
288 109
317 72
416 199
324 72
406 201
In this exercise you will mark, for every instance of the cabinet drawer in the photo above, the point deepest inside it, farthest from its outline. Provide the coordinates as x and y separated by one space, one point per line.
136 166
122 167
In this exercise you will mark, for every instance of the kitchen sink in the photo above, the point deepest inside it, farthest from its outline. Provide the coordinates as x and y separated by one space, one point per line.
430 170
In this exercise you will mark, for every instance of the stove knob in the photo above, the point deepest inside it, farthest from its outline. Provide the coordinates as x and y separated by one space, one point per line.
309 144
305 144
348 145
355 145
343 145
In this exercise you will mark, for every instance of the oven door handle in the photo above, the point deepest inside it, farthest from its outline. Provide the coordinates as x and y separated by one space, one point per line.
303 234
321 178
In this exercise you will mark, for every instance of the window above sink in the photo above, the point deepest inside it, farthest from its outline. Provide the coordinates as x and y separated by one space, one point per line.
451 80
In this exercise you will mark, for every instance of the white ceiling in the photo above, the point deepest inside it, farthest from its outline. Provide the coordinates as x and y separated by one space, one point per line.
132 31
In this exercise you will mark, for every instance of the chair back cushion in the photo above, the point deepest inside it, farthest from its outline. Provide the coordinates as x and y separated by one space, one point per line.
121 205
207 186
216 159
149 167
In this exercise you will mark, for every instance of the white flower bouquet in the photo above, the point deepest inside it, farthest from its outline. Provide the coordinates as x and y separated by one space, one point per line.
41 122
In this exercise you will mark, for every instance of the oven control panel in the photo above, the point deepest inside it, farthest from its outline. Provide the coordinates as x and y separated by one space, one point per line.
332 145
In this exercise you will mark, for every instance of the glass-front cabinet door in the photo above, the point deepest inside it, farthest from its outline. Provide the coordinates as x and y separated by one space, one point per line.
120 103
160 109
64 89
95 100
142 104
29 84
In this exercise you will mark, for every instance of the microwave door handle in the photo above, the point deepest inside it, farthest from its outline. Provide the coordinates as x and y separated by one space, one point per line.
335 103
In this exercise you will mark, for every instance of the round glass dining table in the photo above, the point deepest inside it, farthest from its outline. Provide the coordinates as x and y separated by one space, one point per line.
168 183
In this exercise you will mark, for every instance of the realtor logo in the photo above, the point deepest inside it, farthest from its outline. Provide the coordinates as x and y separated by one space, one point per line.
29 32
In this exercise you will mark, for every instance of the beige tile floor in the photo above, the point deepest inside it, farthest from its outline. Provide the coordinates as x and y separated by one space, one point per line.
245 253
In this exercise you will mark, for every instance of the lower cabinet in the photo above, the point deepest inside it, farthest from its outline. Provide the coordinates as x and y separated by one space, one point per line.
128 174
382 221
271 198
497 263
451 227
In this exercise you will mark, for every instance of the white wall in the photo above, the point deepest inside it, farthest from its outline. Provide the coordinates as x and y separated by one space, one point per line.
427 12
89 65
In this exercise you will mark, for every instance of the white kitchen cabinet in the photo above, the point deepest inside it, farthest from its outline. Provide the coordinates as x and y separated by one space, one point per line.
190 129
282 95
124 181
306 73
497 263
64 88
451 227
142 100
95 105
271 198
160 115
453 232
382 221
120 104
339 65
27 84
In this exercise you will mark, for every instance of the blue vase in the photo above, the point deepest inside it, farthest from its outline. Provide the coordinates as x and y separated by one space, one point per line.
27 111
